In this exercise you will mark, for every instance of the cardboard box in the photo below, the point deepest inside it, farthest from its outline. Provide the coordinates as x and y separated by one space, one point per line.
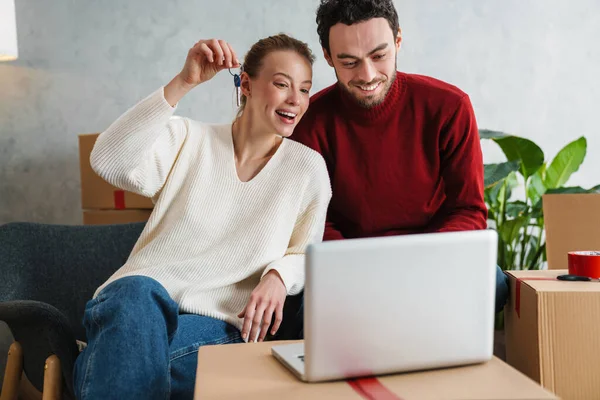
553 332
248 371
572 223
96 193
107 217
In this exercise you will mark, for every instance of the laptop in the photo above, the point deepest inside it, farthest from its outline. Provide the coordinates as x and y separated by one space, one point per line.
378 306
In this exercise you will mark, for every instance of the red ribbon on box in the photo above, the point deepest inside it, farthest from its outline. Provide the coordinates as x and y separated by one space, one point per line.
372 389
584 263
119 198
518 291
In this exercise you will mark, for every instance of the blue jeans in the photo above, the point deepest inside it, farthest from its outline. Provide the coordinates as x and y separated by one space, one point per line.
140 346
501 298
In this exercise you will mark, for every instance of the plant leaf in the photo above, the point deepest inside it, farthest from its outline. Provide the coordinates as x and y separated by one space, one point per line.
493 193
544 254
515 208
534 254
511 182
489 134
566 162
536 187
537 210
570 190
510 229
541 253
494 173
524 150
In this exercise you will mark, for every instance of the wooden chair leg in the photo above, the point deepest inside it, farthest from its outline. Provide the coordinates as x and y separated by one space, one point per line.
52 379
27 391
12 373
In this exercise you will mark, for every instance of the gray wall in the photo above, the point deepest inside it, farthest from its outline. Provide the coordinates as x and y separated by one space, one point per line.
529 66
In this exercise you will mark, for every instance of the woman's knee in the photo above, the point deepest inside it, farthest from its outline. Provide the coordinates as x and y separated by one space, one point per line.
132 298
132 290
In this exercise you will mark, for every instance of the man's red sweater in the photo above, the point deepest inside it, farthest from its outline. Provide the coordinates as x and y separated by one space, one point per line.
412 164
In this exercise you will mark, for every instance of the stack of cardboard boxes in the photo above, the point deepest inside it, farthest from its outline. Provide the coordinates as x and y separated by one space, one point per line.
103 203
553 326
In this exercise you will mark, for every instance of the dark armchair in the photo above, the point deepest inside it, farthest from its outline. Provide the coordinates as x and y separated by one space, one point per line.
48 273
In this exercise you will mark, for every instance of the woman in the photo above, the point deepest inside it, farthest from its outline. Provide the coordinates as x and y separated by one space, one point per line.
235 207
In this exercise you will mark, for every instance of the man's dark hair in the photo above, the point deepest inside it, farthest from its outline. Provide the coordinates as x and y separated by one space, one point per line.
348 12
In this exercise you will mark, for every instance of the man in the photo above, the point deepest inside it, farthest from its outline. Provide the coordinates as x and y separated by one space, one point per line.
402 150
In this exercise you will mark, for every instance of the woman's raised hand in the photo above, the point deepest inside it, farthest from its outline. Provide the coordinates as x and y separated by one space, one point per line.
205 59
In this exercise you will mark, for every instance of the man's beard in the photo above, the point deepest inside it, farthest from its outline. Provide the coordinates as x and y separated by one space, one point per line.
370 101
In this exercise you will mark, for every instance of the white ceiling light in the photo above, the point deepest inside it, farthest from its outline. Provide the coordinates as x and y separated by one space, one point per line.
8 31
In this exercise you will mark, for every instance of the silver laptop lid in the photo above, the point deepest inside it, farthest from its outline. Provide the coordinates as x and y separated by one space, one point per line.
392 304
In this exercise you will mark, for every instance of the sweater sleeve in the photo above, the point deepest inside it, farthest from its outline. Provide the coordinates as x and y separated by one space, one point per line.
462 172
307 133
137 151
308 229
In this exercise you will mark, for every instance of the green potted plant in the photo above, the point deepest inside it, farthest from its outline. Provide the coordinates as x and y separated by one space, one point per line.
519 220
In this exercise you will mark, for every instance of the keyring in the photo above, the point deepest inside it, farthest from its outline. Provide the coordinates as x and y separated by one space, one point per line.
232 74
